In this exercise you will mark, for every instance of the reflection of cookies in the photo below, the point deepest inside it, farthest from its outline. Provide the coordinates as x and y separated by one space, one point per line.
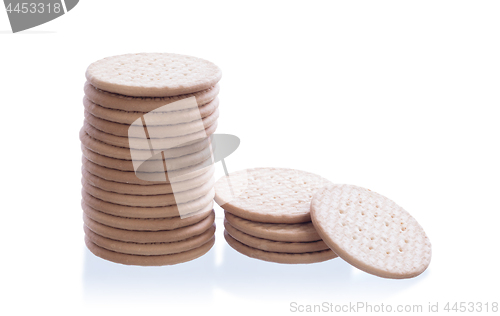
294 258
164 248
274 246
144 237
148 212
302 232
174 176
370 231
149 260
154 118
146 224
143 104
270 195
175 130
153 74
137 189
149 200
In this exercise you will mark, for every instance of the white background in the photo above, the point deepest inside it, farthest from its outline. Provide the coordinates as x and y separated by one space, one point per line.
400 97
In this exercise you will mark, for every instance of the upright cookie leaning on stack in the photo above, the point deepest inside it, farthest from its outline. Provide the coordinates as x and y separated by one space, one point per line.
267 214
147 170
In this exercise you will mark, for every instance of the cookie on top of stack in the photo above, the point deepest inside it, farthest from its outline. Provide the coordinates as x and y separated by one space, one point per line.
147 165
267 214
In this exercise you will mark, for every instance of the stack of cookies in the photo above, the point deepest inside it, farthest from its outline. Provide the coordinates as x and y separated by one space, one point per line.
148 172
267 215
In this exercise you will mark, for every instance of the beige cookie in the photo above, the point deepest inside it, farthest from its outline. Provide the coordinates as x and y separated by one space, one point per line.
153 74
153 118
174 130
152 249
107 150
137 189
149 200
147 224
166 144
302 232
153 165
274 246
370 231
143 104
148 212
139 260
144 237
173 176
279 257
271 195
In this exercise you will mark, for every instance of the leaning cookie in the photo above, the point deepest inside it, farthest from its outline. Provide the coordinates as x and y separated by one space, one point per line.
370 231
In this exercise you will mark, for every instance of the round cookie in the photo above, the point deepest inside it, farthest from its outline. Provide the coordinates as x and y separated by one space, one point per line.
137 189
130 177
143 104
149 166
149 260
147 212
144 237
167 144
153 249
153 74
174 130
302 232
153 118
149 200
279 257
274 246
270 195
146 224
124 153
370 231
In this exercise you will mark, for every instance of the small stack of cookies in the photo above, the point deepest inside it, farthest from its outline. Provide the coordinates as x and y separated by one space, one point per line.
267 214
148 172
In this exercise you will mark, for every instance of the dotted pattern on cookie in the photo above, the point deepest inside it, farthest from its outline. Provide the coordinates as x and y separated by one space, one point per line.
272 195
370 231
153 74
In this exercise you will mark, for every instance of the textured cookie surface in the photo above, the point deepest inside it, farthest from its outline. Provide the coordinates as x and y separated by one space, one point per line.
153 74
137 189
154 249
143 104
370 231
272 195
131 177
277 257
173 130
175 210
301 232
141 260
144 237
146 224
149 200
274 246
153 118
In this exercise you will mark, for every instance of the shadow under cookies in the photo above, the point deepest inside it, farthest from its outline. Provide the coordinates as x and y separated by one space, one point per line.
333 280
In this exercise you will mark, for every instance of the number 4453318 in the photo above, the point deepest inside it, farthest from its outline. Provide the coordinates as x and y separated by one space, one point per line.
34 8
471 307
